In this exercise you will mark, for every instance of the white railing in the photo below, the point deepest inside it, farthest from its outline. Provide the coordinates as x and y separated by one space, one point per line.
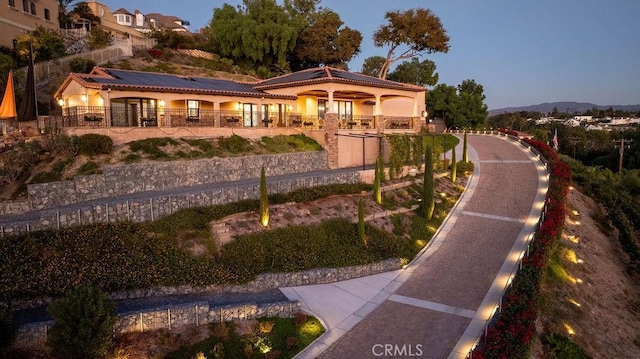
44 71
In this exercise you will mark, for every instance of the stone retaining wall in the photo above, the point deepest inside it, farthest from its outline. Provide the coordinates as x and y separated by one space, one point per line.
142 177
152 208
34 334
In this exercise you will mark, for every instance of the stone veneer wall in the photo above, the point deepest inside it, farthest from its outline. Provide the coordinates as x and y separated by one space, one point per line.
34 334
141 177
150 208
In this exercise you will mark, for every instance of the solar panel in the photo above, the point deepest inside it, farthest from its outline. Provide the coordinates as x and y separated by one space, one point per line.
134 78
296 77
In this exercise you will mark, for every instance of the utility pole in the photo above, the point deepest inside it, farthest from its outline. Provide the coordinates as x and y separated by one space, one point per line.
622 144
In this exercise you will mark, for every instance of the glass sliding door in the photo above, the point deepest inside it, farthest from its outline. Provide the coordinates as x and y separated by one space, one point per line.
250 115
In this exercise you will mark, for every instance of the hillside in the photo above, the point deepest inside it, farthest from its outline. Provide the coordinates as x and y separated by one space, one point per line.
562 107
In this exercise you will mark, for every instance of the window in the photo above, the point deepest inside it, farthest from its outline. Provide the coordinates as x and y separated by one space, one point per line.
25 6
33 8
342 108
12 3
47 15
193 108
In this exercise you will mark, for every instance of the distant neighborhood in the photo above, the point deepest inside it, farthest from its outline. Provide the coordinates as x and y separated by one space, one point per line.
591 123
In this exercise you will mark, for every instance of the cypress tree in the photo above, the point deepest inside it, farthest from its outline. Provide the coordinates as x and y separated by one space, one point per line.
264 200
377 179
361 233
454 165
428 190
465 155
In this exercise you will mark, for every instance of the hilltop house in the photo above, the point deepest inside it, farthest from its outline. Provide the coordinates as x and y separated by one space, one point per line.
120 98
22 16
122 23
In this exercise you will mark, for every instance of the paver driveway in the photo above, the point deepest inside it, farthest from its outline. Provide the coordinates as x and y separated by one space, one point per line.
437 307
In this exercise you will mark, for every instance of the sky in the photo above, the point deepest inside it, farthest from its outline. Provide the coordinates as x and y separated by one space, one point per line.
522 52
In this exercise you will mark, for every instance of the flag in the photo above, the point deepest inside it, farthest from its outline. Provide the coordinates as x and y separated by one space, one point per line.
28 109
8 107
555 140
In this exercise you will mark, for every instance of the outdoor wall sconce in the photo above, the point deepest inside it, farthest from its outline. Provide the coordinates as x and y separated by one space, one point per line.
289 107
161 103
424 114
61 102
84 97
239 106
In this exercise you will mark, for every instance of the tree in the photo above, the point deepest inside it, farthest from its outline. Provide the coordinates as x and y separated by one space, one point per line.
428 189
172 39
419 29
361 233
465 154
47 45
472 105
372 65
461 107
415 72
326 42
83 326
264 200
377 180
260 34
443 100
98 39
454 165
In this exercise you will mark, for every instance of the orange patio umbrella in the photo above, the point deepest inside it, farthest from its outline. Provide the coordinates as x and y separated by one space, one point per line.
8 107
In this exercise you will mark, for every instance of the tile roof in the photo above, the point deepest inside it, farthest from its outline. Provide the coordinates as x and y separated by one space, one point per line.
116 79
329 74
122 11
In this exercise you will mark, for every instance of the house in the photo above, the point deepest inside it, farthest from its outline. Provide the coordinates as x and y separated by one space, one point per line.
21 16
120 23
122 98
174 23
130 105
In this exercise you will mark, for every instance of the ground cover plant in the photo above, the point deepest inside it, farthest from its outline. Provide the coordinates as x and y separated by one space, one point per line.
265 338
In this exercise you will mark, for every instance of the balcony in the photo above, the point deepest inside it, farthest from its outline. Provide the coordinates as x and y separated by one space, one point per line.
98 116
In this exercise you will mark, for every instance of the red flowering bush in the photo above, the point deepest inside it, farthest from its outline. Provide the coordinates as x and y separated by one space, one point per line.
511 335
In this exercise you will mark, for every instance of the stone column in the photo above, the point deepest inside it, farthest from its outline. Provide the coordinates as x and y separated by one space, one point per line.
216 114
331 138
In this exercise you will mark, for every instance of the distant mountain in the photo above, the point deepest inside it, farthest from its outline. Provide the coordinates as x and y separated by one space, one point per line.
562 107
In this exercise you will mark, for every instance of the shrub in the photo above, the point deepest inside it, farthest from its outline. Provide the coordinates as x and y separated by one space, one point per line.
465 166
98 38
235 144
563 347
83 326
81 65
93 144
18 161
150 146
89 168
7 328
45 177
